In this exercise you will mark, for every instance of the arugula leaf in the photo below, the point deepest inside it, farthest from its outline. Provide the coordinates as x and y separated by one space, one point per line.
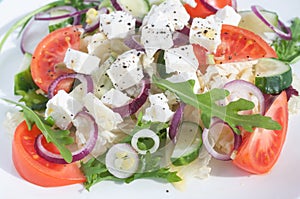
206 102
25 87
95 171
289 50
60 138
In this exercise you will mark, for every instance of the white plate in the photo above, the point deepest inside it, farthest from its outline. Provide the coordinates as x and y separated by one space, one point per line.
226 181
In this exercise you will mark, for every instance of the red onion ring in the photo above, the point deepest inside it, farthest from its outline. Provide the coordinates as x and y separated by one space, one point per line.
24 37
209 6
284 35
210 148
180 39
234 4
241 86
76 155
73 13
134 105
81 77
116 5
132 41
175 122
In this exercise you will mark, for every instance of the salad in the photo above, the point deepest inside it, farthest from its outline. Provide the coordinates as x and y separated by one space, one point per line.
151 90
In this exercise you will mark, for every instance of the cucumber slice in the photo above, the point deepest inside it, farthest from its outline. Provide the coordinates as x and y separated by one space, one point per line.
188 143
138 8
251 22
272 76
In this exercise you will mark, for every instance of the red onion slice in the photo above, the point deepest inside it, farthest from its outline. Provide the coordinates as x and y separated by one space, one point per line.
234 4
76 155
243 89
73 13
216 129
116 5
134 105
95 26
209 6
81 77
180 39
287 35
175 122
133 42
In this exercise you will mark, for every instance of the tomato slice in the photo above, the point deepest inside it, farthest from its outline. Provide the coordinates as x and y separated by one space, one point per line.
201 11
239 44
48 57
37 170
260 149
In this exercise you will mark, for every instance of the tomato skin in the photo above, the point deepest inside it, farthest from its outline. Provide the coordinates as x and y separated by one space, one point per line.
260 149
37 170
201 11
239 44
50 53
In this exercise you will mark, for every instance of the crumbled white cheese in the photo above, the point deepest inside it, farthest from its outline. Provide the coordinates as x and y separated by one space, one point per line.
118 24
153 39
115 98
127 70
228 15
159 110
104 116
181 59
63 108
206 32
81 62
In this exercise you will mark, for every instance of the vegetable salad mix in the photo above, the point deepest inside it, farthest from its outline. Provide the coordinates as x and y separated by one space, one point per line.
122 90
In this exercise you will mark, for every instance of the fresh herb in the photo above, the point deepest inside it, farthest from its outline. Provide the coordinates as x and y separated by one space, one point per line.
25 87
95 171
207 103
60 138
289 50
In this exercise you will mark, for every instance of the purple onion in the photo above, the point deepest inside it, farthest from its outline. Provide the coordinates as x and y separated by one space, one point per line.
210 148
81 77
132 41
116 5
175 122
76 155
287 35
134 105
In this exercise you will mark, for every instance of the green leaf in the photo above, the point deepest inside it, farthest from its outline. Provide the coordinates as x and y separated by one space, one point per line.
60 138
289 50
207 103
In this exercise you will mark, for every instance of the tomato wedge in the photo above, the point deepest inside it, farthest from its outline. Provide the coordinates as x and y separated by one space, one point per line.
48 57
202 11
37 170
239 44
260 149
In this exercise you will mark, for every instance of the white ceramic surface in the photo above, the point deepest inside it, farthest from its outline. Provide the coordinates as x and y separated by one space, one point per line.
226 180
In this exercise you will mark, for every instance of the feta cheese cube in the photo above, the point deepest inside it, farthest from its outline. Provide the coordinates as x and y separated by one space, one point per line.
104 116
118 24
181 59
159 110
170 14
206 32
127 70
115 98
228 15
156 38
81 62
63 108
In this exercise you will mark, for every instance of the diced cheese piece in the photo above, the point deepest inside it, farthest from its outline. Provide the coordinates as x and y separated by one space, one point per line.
95 41
228 15
115 98
104 116
181 59
81 62
159 110
206 32
63 108
153 39
170 14
127 70
185 76
118 24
